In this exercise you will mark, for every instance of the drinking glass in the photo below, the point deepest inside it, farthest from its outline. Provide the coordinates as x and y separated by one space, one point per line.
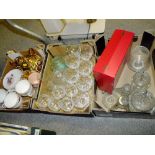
74 50
71 76
58 92
85 83
72 61
44 101
139 59
81 101
71 90
85 68
66 104
142 102
86 52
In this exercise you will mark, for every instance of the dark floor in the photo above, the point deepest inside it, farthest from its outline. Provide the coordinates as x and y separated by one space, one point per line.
67 124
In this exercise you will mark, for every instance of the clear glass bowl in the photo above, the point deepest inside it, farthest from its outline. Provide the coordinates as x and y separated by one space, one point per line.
85 83
66 104
81 101
85 68
86 52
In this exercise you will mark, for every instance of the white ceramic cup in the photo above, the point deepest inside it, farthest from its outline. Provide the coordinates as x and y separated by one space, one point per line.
24 88
12 100
3 94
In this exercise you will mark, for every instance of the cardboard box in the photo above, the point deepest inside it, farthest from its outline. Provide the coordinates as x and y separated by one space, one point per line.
110 64
26 100
126 77
60 50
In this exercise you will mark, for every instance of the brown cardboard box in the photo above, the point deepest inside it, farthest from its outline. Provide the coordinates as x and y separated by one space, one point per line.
26 100
59 50
125 77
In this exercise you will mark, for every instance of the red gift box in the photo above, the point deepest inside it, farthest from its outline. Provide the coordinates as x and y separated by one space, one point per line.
110 64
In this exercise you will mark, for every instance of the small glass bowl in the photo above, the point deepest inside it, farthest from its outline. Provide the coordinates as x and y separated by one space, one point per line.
66 104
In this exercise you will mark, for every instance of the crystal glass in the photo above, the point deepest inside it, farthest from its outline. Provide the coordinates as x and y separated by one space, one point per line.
72 61
85 68
139 59
124 100
74 50
141 81
141 102
44 101
58 64
86 52
81 101
66 104
110 100
71 90
53 106
71 76
58 78
58 92
85 83
124 90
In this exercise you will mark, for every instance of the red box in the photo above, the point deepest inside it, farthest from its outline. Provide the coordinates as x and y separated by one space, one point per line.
110 64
